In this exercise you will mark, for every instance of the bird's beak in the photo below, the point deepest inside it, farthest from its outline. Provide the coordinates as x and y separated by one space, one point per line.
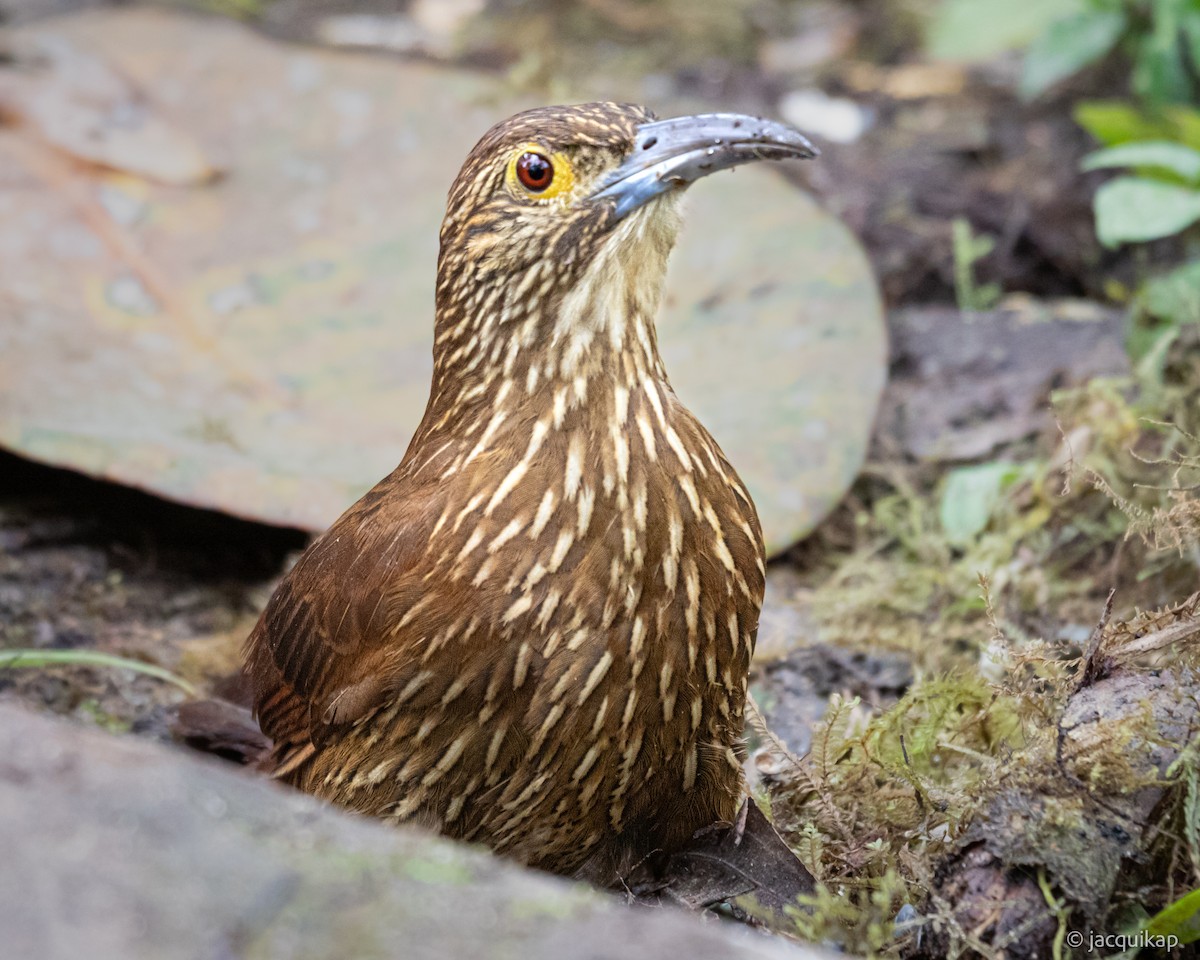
670 154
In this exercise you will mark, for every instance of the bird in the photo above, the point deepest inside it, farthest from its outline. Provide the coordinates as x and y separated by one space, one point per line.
535 633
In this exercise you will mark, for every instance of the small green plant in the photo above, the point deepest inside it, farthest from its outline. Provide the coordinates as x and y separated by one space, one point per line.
11 659
1161 198
1180 919
971 494
1160 37
968 248
1113 122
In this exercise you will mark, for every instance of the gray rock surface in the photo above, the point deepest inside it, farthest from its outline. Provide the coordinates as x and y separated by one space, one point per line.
117 848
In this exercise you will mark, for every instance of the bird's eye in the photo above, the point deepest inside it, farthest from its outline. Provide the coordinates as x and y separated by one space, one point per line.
536 175
535 171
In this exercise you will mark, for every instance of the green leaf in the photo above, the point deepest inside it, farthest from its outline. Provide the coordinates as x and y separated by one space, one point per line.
1190 22
1175 296
1179 919
10 659
1134 209
973 30
1159 72
1160 154
1149 349
1068 46
970 497
969 248
1112 122
1186 122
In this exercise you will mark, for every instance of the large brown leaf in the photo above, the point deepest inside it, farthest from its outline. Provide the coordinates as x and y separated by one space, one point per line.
260 344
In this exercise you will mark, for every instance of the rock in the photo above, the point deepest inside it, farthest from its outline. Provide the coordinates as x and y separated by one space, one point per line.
795 689
787 620
1073 813
834 118
261 344
962 385
115 848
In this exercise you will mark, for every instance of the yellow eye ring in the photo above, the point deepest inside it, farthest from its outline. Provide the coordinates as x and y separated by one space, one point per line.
539 174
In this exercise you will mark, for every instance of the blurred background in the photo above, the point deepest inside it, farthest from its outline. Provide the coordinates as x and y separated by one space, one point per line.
957 359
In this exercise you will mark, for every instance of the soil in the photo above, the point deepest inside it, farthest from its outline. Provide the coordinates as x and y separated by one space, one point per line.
85 564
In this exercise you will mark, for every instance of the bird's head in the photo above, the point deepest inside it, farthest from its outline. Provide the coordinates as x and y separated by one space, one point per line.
558 229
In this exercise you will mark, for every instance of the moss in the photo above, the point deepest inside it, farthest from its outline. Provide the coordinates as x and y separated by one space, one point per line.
570 901
997 626
437 872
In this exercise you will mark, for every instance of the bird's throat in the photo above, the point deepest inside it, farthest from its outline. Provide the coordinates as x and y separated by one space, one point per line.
524 346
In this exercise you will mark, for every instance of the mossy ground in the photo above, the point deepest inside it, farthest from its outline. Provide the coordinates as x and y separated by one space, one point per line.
995 629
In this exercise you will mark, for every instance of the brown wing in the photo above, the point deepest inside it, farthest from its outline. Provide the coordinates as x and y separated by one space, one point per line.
326 652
